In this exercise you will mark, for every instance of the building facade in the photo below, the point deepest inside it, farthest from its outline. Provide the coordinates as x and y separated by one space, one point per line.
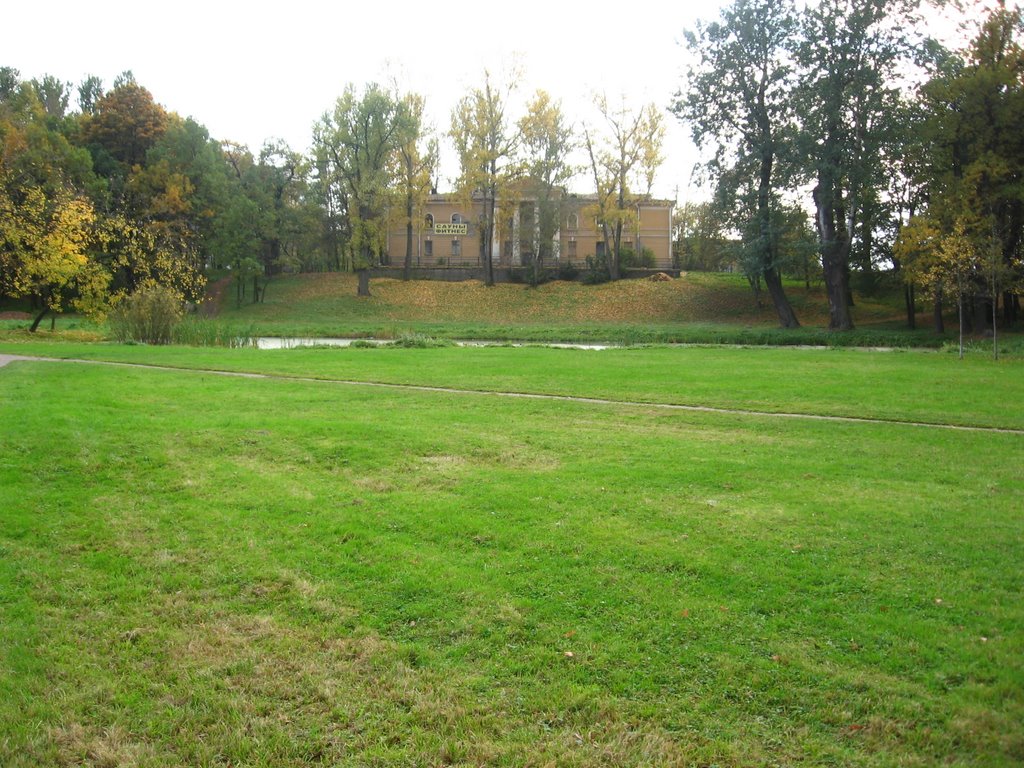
448 234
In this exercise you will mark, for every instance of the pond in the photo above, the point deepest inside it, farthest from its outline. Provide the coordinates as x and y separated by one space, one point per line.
281 342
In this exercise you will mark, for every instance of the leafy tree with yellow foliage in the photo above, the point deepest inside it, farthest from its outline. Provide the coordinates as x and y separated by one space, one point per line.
45 251
625 154
975 157
487 143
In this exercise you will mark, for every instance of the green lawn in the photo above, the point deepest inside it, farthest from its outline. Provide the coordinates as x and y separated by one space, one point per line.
202 570
903 385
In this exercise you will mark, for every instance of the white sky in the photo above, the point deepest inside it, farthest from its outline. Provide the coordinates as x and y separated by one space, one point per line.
253 71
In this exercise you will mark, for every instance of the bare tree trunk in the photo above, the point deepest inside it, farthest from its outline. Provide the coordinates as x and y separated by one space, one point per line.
908 300
612 254
772 279
407 271
364 282
835 251
39 319
787 317
995 328
489 207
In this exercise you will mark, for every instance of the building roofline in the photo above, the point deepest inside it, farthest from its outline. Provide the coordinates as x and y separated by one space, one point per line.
586 197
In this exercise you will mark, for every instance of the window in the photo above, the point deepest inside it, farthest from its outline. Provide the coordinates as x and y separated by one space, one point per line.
573 221
456 248
429 220
428 248
600 248
457 218
571 251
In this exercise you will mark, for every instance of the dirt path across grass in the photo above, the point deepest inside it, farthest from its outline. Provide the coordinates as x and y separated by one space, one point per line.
7 359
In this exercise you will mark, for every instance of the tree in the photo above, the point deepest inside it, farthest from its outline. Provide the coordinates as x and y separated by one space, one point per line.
699 240
54 95
914 250
547 141
90 91
740 95
623 161
332 197
850 52
906 190
361 138
47 220
45 250
975 157
418 155
277 185
138 255
487 145
125 123
948 264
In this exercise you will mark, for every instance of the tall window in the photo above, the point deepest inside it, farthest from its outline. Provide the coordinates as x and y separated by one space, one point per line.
573 221
428 248
571 251
456 248
457 218
428 220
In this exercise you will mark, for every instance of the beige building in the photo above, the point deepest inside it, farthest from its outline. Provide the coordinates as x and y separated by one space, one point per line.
449 233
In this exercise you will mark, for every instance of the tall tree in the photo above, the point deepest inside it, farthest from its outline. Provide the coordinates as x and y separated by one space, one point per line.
90 90
54 94
740 96
47 219
487 144
126 122
850 52
548 141
905 188
418 158
624 155
699 239
275 190
975 152
362 137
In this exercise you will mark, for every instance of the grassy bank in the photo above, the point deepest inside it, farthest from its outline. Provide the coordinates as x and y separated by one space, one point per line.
198 570
698 308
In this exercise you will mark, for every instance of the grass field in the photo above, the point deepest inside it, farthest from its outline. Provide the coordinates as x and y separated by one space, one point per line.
204 570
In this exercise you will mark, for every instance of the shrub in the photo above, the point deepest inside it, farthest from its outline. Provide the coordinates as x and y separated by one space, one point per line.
629 259
529 275
148 316
204 332
596 271
419 341
567 271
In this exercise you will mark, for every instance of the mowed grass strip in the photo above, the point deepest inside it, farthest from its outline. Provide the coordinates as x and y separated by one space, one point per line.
198 570
902 386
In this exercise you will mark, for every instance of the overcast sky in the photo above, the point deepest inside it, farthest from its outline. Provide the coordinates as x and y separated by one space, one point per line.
250 72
